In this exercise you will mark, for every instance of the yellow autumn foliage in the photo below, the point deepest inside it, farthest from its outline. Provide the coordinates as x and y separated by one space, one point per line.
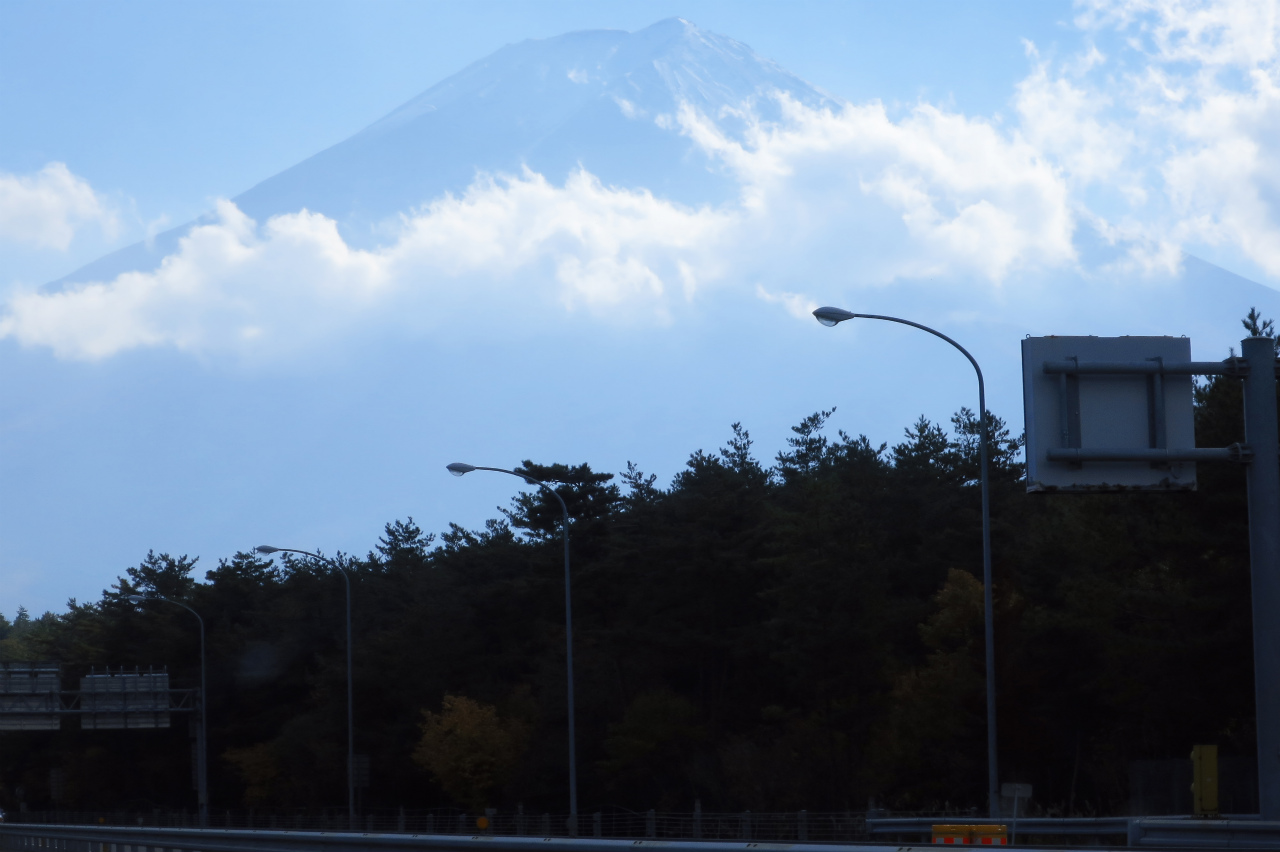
469 748
259 768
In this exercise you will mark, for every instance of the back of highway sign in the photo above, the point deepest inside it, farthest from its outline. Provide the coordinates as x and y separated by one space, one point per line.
1118 412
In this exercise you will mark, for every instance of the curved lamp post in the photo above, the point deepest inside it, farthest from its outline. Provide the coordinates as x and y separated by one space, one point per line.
202 747
351 724
832 316
458 469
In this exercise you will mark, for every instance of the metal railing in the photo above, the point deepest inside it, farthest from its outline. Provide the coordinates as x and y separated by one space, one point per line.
32 837
793 826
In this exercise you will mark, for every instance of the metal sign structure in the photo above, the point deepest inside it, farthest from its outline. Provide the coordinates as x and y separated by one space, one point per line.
29 696
122 698
1098 394
1080 459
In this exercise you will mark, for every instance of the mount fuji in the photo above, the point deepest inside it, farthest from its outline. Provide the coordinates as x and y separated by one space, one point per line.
584 99
705 125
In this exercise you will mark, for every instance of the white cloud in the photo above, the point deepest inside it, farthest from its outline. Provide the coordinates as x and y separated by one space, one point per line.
608 245
1188 130
1065 119
628 109
798 305
154 227
971 198
1204 32
47 209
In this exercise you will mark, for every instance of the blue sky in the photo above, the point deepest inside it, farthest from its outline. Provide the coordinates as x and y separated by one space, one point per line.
989 167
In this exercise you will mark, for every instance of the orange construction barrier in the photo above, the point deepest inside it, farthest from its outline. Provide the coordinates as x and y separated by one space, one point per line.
975 835
991 835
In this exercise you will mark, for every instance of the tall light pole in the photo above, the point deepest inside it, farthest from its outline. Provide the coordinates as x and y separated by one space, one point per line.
458 469
351 720
832 316
202 744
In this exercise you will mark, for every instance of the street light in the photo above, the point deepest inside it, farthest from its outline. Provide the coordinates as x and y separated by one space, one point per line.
202 757
832 316
351 723
458 469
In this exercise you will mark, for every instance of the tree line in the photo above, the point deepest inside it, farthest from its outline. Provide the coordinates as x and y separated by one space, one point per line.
801 633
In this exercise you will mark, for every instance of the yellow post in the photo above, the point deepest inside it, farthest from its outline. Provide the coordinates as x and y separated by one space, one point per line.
1204 785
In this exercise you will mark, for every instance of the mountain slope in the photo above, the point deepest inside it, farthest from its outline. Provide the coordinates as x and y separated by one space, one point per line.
591 98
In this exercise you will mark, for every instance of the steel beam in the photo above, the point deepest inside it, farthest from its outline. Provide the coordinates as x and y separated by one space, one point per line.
1229 367
1235 453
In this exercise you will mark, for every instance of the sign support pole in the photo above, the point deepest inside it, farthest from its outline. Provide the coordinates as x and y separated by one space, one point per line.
1263 437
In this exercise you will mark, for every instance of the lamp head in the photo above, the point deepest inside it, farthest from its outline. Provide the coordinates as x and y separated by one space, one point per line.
831 316
458 468
135 599
266 548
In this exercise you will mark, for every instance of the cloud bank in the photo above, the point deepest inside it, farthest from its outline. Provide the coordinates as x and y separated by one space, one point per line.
235 284
611 251
1157 135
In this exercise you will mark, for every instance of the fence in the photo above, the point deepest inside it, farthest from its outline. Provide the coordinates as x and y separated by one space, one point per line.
620 823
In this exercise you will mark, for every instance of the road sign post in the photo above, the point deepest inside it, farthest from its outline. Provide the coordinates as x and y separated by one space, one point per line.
1019 793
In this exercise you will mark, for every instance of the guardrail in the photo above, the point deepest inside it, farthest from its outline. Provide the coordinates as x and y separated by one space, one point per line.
1137 831
1205 833
29 837
1175 832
